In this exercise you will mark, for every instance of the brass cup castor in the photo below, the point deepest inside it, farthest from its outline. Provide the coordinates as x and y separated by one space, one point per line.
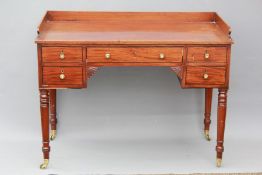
44 165
207 136
53 135
219 162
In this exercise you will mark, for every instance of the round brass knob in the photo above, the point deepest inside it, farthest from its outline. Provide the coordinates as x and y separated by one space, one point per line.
206 55
62 55
161 56
107 55
205 76
62 76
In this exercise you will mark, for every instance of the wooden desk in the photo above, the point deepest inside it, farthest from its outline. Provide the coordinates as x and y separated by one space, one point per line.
72 45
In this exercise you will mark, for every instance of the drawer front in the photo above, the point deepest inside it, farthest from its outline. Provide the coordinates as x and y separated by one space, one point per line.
152 54
206 75
207 54
62 54
62 75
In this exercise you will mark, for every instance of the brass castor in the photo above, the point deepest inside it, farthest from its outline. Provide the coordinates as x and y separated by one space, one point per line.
207 135
44 165
53 135
219 162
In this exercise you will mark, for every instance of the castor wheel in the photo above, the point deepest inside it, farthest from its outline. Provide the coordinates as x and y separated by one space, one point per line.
44 165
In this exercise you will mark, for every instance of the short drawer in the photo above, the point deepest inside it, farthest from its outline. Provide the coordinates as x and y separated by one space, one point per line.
143 54
207 54
62 75
206 75
62 54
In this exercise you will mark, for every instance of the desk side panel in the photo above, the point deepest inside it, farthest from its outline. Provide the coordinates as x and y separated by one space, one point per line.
39 57
42 23
223 25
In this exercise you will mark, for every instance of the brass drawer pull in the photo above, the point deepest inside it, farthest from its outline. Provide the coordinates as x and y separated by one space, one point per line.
205 76
62 55
206 55
62 76
162 56
107 55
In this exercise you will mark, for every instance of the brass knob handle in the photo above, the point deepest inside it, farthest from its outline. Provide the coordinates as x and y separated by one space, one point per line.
107 55
205 76
206 55
62 76
62 55
162 56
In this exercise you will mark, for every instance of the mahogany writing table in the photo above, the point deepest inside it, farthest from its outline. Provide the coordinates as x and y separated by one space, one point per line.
72 45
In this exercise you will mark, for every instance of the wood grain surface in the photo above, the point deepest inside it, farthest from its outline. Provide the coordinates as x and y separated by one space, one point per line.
72 75
216 54
71 54
140 54
216 75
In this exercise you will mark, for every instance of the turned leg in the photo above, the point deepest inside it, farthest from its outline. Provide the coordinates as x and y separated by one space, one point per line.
44 108
221 118
208 104
53 119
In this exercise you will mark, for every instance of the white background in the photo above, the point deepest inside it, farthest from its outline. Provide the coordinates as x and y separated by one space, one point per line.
129 120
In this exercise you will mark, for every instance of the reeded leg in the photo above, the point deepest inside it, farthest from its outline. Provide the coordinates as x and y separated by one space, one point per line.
53 119
208 104
44 108
221 118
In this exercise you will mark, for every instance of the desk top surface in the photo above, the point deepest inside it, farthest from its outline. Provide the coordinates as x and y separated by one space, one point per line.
63 27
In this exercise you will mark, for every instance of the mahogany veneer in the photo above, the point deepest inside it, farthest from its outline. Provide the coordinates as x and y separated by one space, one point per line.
138 54
63 76
216 55
196 75
62 54
72 45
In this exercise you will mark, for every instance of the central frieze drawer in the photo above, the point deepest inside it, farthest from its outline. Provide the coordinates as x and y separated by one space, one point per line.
144 54
62 75
62 54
